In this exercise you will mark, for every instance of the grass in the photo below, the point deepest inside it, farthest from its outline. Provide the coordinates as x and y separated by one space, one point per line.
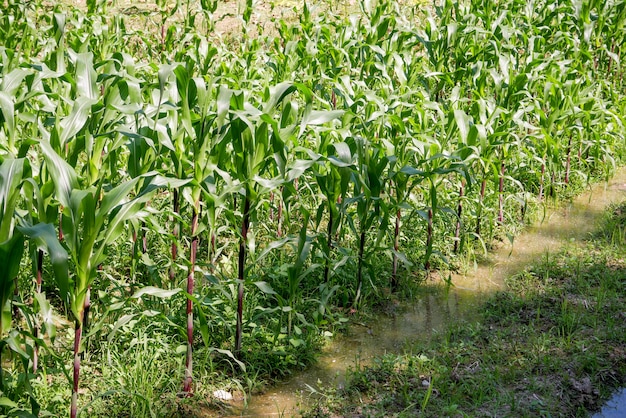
552 344
133 351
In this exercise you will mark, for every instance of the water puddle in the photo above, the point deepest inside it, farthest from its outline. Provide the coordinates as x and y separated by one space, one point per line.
570 222
615 407
390 333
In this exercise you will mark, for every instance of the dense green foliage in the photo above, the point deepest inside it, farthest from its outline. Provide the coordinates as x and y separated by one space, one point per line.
249 187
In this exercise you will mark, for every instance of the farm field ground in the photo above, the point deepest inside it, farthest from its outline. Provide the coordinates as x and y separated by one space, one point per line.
196 196
551 343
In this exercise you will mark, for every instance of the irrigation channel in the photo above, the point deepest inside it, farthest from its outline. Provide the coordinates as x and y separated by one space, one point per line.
569 222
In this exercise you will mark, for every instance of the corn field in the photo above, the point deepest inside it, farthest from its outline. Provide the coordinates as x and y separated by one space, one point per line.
222 201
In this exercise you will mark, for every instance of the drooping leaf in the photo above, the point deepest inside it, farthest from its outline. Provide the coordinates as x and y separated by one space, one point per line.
156 292
265 287
63 175
75 121
46 239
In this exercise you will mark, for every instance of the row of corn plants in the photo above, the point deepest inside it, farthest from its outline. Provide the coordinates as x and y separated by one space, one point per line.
239 192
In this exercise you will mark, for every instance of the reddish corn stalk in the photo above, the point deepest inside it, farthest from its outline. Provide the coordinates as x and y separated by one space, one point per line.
78 332
501 196
144 237
459 212
580 153
190 284
396 246
241 276
36 330
86 309
279 232
480 206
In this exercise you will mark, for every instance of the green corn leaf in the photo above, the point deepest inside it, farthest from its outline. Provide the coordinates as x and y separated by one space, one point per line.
156 292
125 319
12 81
4 401
116 196
45 237
463 123
8 115
343 155
11 252
230 355
265 288
86 76
223 105
11 174
277 94
75 121
63 175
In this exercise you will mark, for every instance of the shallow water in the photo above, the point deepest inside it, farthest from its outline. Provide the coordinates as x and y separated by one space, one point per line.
390 333
615 407
359 346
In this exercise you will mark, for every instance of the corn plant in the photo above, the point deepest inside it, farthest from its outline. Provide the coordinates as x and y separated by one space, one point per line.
92 219
249 132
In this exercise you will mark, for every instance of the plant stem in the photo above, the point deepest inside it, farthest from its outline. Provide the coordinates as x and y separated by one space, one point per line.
279 219
359 273
241 274
459 212
190 284
36 330
329 243
78 331
176 233
480 206
396 246
144 237
86 309
429 240
501 195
